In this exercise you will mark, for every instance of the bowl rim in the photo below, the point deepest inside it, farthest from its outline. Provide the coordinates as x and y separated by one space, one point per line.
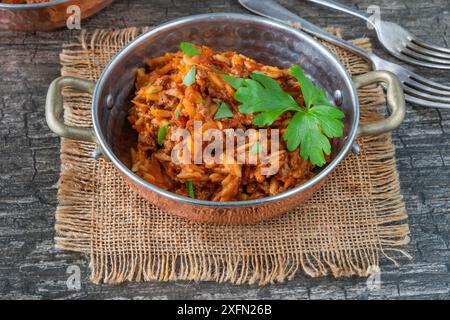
229 204
32 5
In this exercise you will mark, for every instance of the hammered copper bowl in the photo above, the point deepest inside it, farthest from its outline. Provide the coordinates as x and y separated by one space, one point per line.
46 16
266 41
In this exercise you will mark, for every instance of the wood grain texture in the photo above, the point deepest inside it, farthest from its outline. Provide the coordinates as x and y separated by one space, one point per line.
31 268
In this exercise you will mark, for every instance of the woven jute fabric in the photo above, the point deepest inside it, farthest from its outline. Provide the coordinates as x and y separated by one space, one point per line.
354 220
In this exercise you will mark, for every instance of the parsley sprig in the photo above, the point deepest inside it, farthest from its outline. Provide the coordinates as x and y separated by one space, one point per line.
264 96
190 189
189 79
189 49
223 112
162 132
311 125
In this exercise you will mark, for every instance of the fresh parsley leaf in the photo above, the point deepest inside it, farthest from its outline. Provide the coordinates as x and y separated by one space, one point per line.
189 49
261 94
319 106
236 83
223 112
329 119
256 148
161 135
312 95
155 90
311 126
304 131
267 118
306 85
216 67
177 113
190 189
189 79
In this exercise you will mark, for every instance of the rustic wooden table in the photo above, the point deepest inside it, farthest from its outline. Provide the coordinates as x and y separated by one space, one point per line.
31 268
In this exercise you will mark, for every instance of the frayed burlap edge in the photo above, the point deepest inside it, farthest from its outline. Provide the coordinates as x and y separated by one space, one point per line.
76 196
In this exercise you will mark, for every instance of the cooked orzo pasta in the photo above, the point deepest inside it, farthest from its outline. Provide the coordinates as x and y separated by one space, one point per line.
177 89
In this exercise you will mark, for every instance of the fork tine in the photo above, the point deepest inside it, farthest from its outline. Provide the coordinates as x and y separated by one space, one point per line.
429 83
438 54
424 92
424 57
411 83
415 95
412 60
430 46
425 95
425 103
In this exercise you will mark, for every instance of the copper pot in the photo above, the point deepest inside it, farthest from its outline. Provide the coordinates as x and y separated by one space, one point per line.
266 41
47 15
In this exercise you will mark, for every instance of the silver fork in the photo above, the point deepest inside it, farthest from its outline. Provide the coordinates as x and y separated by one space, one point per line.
398 41
418 90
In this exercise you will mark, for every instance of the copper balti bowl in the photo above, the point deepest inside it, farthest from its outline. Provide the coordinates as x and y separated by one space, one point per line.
45 16
268 42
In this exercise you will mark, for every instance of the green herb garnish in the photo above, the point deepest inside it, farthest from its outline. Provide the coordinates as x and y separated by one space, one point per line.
161 135
201 101
236 83
263 95
189 49
216 67
155 90
223 112
189 79
190 189
256 148
177 113
310 126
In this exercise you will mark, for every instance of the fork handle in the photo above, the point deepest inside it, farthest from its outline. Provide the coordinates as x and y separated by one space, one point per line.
272 10
343 8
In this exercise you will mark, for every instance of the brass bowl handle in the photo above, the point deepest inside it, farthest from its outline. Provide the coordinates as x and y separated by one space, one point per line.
54 109
395 102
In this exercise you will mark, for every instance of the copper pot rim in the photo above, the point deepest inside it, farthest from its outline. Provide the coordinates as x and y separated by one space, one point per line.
32 5
229 204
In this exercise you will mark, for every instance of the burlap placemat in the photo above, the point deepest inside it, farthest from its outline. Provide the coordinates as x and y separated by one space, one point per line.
343 230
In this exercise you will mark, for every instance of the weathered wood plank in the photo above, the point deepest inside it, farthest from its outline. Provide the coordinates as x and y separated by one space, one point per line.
31 268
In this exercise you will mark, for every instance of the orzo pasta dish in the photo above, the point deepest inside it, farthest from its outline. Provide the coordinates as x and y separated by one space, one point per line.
223 91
